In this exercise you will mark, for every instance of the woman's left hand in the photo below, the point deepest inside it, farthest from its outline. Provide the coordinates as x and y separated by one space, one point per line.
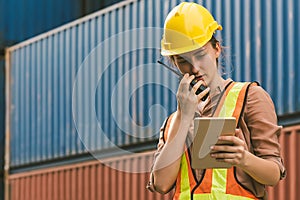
233 152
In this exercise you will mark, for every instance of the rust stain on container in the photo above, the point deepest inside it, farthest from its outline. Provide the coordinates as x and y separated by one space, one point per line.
87 181
290 146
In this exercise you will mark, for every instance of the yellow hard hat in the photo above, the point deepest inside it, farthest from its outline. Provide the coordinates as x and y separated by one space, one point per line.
188 26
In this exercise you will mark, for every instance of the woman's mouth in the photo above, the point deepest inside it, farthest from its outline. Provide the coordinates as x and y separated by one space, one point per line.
198 78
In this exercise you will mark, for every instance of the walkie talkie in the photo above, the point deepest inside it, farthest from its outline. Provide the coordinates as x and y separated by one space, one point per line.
199 90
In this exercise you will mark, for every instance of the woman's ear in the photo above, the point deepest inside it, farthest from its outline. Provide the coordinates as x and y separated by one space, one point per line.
218 49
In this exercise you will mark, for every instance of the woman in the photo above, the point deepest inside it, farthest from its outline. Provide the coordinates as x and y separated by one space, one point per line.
255 151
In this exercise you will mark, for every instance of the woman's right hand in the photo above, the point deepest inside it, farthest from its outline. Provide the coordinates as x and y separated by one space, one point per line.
186 97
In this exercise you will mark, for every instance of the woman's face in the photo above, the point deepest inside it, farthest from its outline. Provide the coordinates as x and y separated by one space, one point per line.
200 62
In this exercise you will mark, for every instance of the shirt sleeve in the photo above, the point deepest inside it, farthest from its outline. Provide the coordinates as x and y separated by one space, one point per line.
261 120
160 145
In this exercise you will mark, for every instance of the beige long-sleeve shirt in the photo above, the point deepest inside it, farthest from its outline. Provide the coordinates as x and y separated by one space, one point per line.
259 126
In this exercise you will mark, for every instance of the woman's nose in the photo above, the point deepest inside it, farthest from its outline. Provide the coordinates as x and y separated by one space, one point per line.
195 65
194 69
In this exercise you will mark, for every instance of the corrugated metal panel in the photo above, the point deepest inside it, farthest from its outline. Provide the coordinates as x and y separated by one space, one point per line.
62 68
289 187
111 180
103 66
261 37
89 6
260 42
21 20
87 181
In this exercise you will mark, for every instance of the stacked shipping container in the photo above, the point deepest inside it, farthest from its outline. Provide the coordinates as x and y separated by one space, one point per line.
89 181
92 86
288 188
63 102
95 180
20 20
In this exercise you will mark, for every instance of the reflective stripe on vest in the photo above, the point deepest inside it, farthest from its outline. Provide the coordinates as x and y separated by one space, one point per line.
216 183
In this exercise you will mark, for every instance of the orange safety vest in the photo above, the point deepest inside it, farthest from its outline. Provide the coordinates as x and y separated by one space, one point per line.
215 183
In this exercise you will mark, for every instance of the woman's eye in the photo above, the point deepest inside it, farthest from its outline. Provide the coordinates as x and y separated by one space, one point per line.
181 61
199 56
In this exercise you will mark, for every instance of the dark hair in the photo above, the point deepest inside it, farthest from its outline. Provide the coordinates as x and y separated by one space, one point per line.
214 42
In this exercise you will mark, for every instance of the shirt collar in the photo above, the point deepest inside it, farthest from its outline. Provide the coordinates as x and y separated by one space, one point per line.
213 97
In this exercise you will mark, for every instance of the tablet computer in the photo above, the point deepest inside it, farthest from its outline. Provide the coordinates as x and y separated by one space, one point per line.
206 131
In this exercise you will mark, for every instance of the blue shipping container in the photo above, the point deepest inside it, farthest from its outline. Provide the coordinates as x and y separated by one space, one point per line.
94 84
44 86
20 20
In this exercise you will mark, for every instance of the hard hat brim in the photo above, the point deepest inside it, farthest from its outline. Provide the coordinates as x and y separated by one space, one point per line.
188 44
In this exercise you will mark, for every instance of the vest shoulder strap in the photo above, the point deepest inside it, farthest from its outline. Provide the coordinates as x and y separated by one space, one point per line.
244 98
165 127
